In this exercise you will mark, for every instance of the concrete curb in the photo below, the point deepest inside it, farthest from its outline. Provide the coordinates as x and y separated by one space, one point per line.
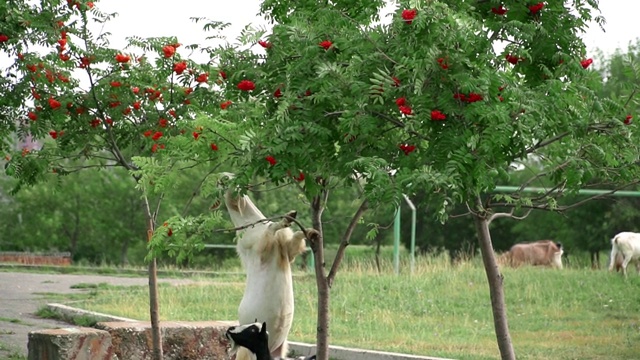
345 353
67 313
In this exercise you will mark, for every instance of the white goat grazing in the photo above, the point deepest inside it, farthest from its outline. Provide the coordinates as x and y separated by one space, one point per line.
266 250
627 244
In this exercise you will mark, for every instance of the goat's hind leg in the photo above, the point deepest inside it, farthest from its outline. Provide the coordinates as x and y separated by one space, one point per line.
612 257
281 352
625 263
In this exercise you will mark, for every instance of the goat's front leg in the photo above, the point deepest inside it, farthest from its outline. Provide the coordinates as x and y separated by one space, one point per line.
284 223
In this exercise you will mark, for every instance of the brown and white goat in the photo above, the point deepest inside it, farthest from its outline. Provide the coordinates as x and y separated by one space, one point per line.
538 253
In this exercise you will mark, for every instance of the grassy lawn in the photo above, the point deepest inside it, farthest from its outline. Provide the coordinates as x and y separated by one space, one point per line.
439 311
10 352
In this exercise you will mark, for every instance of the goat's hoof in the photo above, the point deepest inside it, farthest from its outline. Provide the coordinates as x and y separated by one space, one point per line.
313 234
215 205
225 178
290 216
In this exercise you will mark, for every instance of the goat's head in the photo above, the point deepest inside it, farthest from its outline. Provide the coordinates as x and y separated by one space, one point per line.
251 336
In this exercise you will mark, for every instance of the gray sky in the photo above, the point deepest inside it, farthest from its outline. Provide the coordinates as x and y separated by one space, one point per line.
148 18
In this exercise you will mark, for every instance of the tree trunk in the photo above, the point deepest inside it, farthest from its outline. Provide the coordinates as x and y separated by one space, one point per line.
154 315
496 289
324 281
595 259
378 246
124 250
322 335
322 330
156 338
305 259
74 236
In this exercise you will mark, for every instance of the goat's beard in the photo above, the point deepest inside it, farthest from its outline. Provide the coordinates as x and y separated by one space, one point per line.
233 349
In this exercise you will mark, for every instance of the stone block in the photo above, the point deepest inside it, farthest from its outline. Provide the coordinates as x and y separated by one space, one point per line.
73 343
181 340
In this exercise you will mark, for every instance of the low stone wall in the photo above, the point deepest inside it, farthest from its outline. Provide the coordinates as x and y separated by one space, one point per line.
27 258
127 340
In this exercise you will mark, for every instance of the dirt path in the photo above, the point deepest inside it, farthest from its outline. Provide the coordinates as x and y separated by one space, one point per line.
18 303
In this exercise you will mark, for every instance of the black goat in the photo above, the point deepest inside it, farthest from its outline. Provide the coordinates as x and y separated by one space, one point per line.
255 338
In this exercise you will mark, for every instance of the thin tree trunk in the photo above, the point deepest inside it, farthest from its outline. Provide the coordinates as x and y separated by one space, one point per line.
154 314
124 250
322 334
378 246
156 338
324 281
595 259
496 289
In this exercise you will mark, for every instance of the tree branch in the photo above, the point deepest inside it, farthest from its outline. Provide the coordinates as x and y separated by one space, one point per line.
263 221
366 34
115 150
567 207
157 210
345 241
398 123
544 143
453 216
193 194
599 196
509 215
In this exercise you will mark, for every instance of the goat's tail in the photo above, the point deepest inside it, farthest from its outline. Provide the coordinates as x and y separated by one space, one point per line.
614 252
614 240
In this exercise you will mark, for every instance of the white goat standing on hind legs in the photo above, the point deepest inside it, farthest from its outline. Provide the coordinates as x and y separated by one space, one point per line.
266 250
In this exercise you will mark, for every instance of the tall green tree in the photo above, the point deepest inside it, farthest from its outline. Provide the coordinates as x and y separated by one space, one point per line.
93 216
425 102
99 103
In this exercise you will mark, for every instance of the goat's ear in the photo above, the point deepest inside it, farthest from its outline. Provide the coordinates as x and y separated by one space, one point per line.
264 328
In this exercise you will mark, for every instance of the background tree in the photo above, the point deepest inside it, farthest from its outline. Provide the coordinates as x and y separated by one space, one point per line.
119 105
76 215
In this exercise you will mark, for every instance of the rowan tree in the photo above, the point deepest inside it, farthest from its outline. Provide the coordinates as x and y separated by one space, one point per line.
446 97
79 98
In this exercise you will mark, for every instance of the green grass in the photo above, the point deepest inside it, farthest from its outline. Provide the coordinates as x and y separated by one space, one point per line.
9 353
439 311
79 320
11 320
163 272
